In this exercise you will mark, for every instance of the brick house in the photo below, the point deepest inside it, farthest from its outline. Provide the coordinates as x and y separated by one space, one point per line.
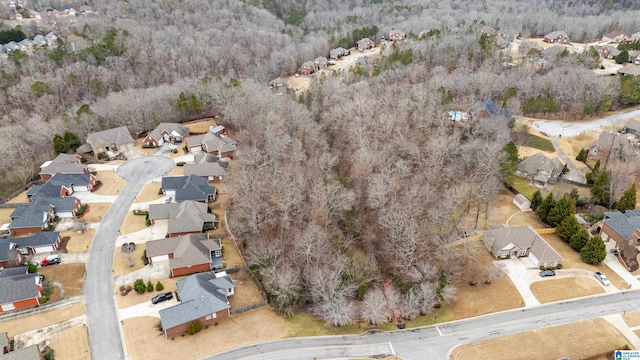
607 51
110 142
62 185
167 132
187 217
42 213
624 229
615 36
540 169
397 35
365 44
337 53
64 164
520 241
307 68
187 254
190 187
557 37
10 255
207 166
610 146
20 291
38 243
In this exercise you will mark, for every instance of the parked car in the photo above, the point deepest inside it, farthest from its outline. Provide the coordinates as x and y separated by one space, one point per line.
162 297
545 273
50 260
602 278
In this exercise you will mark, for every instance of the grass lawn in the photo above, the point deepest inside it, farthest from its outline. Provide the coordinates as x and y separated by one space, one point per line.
523 187
71 276
133 298
94 212
133 223
111 183
565 288
149 192
122 261
78 242
43 319
597 339
539 142
72 344
4 215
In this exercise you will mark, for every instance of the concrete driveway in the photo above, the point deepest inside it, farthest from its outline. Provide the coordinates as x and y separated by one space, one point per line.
145 309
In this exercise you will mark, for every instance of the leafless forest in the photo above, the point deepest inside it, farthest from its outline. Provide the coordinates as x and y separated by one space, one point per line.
361 179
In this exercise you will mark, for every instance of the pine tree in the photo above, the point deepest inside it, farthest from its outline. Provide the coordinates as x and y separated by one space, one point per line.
563 208
536 200
567 228
545 207
594 174
511 160
594 251
601 190
582 155
579 239
628 199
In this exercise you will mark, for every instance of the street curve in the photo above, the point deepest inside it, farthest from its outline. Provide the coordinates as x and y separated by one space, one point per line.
569 129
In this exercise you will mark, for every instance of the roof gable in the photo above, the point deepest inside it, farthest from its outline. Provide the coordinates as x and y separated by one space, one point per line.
190 187
170 128
117 136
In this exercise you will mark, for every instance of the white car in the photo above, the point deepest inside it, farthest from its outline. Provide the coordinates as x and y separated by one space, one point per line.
603 278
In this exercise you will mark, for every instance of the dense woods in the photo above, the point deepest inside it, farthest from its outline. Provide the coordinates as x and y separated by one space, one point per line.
361 179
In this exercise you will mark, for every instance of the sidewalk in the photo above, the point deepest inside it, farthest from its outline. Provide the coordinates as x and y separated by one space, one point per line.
521 277
618 322
47 334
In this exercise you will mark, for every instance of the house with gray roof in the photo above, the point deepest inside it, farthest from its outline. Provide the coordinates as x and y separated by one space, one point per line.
42 213
540 169
607 51
187 254
632 126
365 44
61 185
556 37
632 70
10 255
187 217
208 166
40 40
38 243
64 164
20 291
31 352
610 146
337 53
12 271
624 229
191 187
203 298
111 142
167 132
307 68
220 145
520 241
489 110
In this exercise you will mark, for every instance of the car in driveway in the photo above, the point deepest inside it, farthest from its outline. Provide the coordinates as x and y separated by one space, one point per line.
545 273
162 297
602 278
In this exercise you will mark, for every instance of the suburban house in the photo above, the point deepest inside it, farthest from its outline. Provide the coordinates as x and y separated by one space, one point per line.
61 185
634 57
521 202
624 229
110 142
10 255
556 37
218 130
489 110
549 54
632 126
279 84
192 187
520 241
396 35
307 68
187 217
321 62
187 254
167 132
212 143
42 213
31 352
20 291
207 166
540 169
610 146
365 44
615 36
629 70
338 52
38 243
63 164
203 298
607 51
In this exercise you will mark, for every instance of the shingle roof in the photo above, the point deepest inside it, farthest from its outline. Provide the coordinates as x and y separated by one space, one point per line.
522 237
118 136
36 213
624 224
19 287
194 140
207 165
172 128
13 271
38 239
28 353
186 216
536 164
555 34
200 294
492 109
630 70
53 187
214 142
8 250
63 163
188 187
187 250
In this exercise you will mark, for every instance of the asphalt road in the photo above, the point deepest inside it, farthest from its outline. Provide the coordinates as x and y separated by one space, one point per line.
569 129
436 342
102 321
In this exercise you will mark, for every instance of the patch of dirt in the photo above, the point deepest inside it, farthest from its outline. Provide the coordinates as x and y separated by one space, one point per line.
33 322
149 192
111 183
566 288
238 330
502 207
246 291
121 261
133 298
95 212
72 344
525 151
71 276
78 242
133 223
597 339
200 126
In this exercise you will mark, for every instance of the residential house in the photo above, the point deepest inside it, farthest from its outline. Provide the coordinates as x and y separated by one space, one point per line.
40 40
279 84
31 352
307 68
38 243
321 62
207 166
396 35
634 57
13 46
624 229
85 9
42 213
611 146
551 53
64 164
632 126
521 202
540 169
167 132
218 130
219 145
203 298
20 291
52 37
187 254
62 185
25 44
10 255
338 52
187 217
365 44
615 36
4 341
629 70
111 142
191 187
489 110
194 143
520 241
557 37
607 51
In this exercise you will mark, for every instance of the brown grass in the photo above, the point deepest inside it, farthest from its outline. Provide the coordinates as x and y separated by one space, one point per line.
149 192
78 242
133 223
246 291
230 254
596 337
502 208
572 260
20 199
27 323
72 344
133 298
111 183
95 212
121 260
176 171
525 151
4 215
251 327
566 288
200 126
71 276
632 318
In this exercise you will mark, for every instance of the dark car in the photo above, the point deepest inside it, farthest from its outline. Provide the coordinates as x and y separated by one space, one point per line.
545 273
162 297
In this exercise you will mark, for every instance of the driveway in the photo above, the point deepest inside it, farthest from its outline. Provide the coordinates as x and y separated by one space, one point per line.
102 321
567 129
145 309
574 173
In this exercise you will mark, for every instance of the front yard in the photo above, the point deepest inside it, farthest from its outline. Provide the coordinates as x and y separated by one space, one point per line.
565 288
71 276
73 344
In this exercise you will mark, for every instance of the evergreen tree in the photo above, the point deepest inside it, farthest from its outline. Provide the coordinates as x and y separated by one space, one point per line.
594 251
579 239
593 175
563 208
536 200
582 155
623 57
511 160
567 228
149 286
545 207
601 190
628 200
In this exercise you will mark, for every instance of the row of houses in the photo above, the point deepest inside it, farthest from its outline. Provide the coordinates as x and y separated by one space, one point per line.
19 12
612 37
26 45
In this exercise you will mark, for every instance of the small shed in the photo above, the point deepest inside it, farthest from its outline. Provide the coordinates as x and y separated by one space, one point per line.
521 202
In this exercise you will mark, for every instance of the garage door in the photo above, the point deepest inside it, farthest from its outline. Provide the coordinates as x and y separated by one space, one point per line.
43 249
159 258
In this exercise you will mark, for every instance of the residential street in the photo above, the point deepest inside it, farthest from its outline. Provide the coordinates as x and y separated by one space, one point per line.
567 129
104 331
